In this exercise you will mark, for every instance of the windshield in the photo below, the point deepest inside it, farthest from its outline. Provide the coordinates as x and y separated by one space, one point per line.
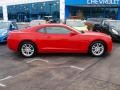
115 24
75 23
4 25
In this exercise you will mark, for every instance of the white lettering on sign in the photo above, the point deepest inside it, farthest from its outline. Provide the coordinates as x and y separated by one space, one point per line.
103 1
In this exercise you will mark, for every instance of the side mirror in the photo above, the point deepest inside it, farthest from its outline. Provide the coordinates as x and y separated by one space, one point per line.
73 33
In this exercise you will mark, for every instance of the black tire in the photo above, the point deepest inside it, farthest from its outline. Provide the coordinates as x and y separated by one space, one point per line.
33 47
101 50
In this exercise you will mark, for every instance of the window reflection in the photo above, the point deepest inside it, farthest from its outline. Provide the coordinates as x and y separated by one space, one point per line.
100 12
33 11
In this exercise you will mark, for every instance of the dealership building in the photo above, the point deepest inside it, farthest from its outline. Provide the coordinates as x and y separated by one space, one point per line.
27 10
93 8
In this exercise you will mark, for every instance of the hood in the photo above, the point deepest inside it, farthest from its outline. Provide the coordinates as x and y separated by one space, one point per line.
91 33
117 29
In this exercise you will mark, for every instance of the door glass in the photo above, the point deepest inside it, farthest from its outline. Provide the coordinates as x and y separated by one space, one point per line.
57 30
42 30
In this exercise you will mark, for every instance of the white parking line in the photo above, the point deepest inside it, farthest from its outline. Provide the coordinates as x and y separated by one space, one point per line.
30 61
82 69
2 85
58 67
45 61
37 60
8 77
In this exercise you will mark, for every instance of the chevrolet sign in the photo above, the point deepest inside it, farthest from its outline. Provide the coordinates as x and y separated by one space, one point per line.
103 1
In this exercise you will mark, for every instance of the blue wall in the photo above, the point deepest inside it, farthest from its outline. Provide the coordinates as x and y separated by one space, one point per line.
67 11
118 14
118 17
75 2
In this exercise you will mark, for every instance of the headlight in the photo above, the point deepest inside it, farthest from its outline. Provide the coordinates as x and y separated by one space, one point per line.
115 32
4 33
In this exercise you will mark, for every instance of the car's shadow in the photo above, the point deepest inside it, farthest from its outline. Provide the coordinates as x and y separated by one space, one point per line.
67 55
114 41
41 55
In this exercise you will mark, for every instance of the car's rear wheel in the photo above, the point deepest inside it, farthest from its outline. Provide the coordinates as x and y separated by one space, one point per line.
27 49
97 48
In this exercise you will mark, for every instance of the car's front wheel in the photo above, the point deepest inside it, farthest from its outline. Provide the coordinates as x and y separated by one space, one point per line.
27 49
97 48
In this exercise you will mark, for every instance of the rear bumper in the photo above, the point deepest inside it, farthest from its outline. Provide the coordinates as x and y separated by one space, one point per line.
13 45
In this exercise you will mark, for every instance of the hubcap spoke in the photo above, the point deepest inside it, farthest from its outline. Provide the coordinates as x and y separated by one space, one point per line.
98 49
27 49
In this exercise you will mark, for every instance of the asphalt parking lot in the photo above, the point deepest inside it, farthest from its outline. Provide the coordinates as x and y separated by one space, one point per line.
59 71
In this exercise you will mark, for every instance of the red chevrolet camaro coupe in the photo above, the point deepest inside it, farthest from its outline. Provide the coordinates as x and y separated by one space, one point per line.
58 38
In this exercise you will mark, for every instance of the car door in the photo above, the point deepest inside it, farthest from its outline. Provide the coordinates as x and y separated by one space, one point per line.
58 39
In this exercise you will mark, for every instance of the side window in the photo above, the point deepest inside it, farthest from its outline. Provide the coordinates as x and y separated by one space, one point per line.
42 30
57 30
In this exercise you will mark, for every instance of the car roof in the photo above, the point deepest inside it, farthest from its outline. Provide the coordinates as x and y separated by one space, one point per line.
74 20
45 25
47 16
97 18
52 24
109 21
6 21
37 20
112 20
